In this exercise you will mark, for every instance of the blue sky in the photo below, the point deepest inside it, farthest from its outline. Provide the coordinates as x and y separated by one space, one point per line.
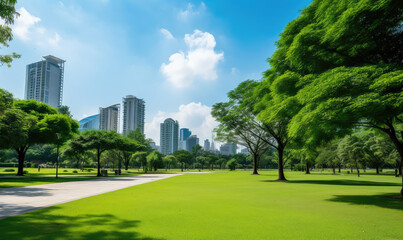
181 57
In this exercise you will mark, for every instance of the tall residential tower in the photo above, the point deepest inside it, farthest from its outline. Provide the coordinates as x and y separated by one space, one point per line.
133 114
44 81
169 136
109 118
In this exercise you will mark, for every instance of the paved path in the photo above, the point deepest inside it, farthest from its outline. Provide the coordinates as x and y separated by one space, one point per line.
15 201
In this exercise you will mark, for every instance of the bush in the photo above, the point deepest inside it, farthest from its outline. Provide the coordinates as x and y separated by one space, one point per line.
8 164
75 171
9 170
90 170
231 164
66 171
25 172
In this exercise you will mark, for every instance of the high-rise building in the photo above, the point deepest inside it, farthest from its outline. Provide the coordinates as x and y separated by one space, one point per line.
184 134
44 81
206 145
169 136
228 149
109 118
89 123
191 141
133 114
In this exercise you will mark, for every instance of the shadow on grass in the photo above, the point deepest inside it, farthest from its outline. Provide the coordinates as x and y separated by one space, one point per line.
341 182
383 200
43 224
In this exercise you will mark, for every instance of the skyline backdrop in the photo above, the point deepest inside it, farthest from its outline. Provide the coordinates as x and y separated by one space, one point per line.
181 57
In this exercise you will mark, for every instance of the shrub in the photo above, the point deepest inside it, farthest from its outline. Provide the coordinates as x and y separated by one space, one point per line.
75 171
90 170
66 171
9 170
231 164
25 172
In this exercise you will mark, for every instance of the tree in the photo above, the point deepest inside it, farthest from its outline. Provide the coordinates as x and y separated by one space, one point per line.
141 159
154 159
212 159
238 122
36 123
340 63
7 15
201 160
64 110
231 164
351 150
6 100
140 139
126 147
98 140
183 157
169 160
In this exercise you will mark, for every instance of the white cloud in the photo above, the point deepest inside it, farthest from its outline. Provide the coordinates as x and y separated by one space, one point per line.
54 40
24 23
166 33
191 11
198 63
195 116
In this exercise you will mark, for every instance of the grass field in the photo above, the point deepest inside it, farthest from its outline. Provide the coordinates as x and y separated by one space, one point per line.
232 205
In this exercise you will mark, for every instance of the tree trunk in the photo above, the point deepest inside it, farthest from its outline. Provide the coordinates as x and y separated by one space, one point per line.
307 168
281 176
99 162
399 148
377 170
182 167
339 169
255 158
21 157
358 170
334 170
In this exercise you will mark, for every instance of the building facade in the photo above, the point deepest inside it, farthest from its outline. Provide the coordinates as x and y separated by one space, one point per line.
191 141
206 145
169 136
133 114
44 81
89 123
228 148
109 118
184 134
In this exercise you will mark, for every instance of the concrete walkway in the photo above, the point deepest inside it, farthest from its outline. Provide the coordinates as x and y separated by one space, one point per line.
16 201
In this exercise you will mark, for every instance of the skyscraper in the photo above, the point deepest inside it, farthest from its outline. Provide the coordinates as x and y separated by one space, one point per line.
88 123
191 142
184 134
169 136
133 113
206 145
44 81
109 118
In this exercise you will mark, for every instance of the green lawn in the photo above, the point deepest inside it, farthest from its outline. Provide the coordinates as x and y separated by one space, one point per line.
233 205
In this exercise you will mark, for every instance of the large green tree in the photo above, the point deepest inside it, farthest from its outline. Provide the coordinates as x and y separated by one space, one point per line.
32 122
97 140
340 65
183 157
238 122
7 15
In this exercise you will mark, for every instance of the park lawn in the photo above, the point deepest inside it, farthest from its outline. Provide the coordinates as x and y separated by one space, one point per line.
232 205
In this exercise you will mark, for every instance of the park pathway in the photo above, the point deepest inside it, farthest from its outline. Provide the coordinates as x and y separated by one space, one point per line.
19 200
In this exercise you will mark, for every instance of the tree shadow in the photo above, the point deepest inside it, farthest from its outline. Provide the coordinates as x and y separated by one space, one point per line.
381 200
341 182
43 224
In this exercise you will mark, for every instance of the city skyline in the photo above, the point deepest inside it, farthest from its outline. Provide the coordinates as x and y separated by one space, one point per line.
141 56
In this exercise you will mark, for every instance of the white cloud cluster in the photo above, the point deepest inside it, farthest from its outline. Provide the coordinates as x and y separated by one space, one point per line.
191 11
26 28
24 23
195 116
198 63
167 34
